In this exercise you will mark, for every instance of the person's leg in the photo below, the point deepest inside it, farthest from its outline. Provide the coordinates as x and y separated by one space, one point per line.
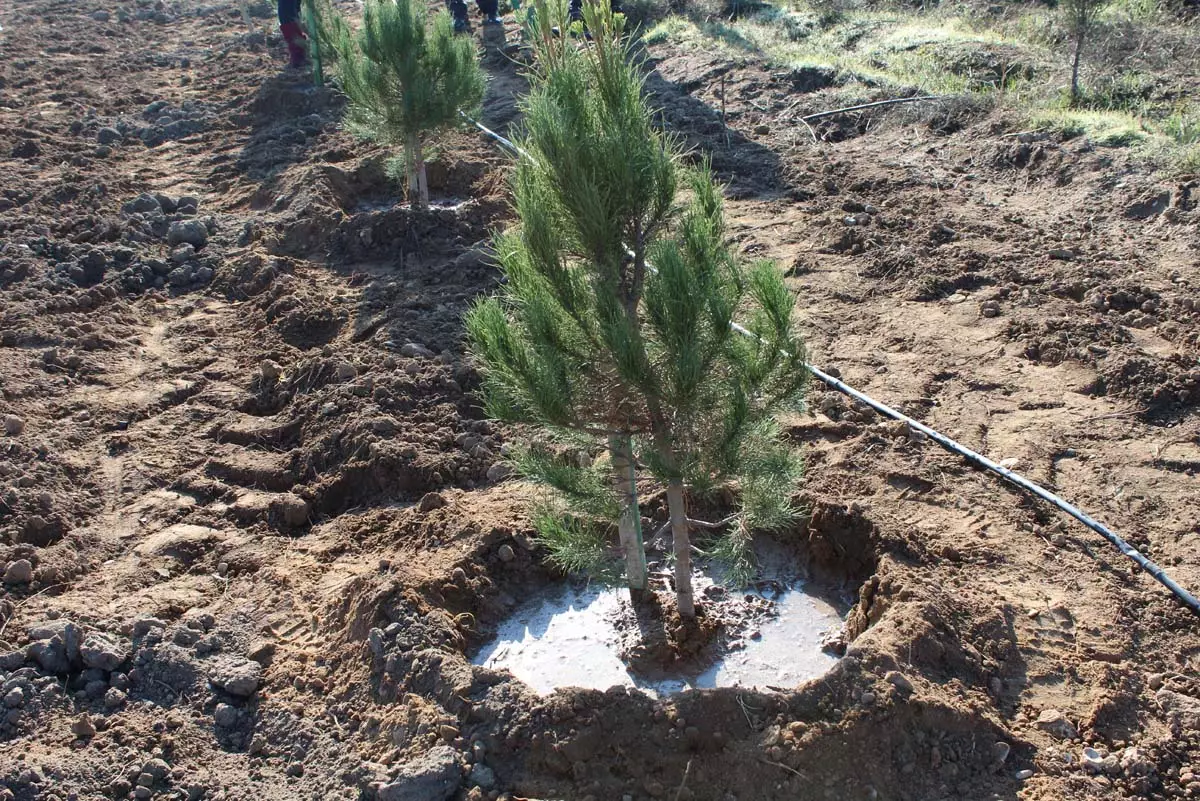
289 11
458 10
490 11
293 33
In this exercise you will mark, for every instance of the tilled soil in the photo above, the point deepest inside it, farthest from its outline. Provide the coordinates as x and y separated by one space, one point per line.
253 520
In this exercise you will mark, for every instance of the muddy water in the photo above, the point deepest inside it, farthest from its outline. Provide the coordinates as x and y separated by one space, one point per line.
570 638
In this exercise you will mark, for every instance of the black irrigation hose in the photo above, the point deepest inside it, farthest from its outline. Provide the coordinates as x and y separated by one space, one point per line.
941 439
954 447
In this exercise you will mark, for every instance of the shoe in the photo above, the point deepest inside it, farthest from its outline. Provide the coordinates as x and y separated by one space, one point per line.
461 25
492 19
297 44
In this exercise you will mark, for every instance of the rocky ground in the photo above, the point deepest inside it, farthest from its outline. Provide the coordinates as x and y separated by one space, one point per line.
253 521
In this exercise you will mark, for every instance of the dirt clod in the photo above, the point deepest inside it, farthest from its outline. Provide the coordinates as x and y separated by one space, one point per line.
19 572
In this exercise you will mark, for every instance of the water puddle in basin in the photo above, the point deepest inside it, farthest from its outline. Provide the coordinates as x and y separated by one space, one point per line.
571 636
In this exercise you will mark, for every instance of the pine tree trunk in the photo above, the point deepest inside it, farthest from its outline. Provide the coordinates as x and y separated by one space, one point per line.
629 527
1075 69
683 550
418 188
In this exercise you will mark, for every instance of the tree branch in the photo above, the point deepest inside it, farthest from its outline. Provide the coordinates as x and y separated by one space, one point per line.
893 101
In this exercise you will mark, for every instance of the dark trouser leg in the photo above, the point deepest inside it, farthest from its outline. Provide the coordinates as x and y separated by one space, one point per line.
289 11
488 8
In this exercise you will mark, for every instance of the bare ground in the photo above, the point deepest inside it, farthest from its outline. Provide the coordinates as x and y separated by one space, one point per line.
218 469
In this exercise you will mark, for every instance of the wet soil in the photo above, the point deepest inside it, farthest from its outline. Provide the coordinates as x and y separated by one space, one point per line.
247 525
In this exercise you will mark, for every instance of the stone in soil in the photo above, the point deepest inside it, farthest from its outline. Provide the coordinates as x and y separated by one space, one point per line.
19 572
83 727
1056 724
431 501
416 351
240 677
13 425
225 716
191 232
103 653
435 776
14 698
291 510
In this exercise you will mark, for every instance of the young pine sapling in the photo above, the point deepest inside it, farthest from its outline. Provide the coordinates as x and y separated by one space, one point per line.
406 79
614 327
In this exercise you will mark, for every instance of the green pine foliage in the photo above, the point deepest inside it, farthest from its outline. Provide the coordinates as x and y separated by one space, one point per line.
616 318
405 79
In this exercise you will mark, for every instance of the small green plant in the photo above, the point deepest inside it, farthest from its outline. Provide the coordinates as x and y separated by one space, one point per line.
406 79
614 326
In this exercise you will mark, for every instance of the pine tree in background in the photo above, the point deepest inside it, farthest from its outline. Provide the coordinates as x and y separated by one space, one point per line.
405 79
613 329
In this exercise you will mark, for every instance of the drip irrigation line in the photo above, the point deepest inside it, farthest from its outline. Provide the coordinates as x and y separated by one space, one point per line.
951 445
877 103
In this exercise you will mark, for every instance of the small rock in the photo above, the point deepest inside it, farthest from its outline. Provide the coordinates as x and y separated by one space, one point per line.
98 651
108 136
1092 761
1001 750
482 776
291 509
506 553
416 351
375 641
143 793
270 371
261 652
182 254
225 716
157 769
192 232
238 678
868 699
499 471
14 698
990 308
1056 724
1022 775
762 130
114 699
101 16
431 501
13 425
144 625
346 371
186 637
83 727
1155 681
435 776
1062 254
19 572
899 681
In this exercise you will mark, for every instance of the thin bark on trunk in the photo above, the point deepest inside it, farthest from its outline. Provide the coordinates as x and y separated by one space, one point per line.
683 549
1075 68
629 527
418 189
